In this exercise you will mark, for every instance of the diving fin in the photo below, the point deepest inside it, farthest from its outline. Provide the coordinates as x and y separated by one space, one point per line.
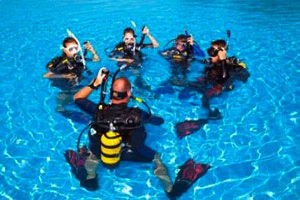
214 114
77 164
188 173
77 161
189 126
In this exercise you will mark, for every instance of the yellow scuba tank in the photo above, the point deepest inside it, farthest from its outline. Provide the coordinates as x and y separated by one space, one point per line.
111 149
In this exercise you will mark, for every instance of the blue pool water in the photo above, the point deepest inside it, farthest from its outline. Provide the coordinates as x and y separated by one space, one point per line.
253 150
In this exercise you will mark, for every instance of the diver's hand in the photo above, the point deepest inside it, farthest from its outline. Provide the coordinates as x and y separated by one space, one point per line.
146 31
127 60
103 72
89 47
190 40
222 54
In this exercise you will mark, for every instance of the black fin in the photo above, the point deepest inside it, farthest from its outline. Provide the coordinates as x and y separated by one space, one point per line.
189 173
76 162
214 114
189 126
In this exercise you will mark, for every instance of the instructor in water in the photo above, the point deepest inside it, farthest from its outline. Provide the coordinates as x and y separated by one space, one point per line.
118 134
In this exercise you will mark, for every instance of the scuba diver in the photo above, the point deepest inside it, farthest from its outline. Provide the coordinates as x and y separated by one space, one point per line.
221 71
66 71
117 133
219 74
128 53
70 64
184 51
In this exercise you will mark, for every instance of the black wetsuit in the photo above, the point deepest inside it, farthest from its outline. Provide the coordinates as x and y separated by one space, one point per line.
180 62
225 72
174 55
218 77
134 148
65 65
128 52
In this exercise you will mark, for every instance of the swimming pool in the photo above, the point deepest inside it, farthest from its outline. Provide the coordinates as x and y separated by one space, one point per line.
253 150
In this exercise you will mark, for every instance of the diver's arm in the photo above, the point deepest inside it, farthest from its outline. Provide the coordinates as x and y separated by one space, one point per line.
164 53
84 92
53 75
195 48
87 90
167 52
153 41
86 105
155 120
90 48
128 60
197 51
151 38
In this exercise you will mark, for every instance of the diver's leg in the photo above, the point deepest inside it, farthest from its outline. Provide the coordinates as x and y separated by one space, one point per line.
90 165
162 174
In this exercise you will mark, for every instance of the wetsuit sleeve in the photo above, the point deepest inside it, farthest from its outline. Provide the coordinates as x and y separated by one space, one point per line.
155 120
118 48
52 65
197 51
88 59
112 53
146 46
85 55
86 105
167 53
60 65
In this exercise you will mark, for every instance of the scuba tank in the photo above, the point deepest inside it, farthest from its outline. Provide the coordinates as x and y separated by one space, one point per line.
111 148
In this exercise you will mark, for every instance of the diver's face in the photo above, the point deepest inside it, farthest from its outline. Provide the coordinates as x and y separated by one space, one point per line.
71 49
214 56
180 45
128 39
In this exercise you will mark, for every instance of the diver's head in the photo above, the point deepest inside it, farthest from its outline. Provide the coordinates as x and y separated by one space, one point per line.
216 46
181 43
121 90
129 36
70 47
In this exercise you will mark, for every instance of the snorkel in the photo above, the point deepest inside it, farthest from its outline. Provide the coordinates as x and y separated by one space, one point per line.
188 46
228 37
134 43
70 34
187 36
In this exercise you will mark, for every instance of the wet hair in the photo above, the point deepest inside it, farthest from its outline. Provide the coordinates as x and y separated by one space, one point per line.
220 43
68 40
128 30
180 38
